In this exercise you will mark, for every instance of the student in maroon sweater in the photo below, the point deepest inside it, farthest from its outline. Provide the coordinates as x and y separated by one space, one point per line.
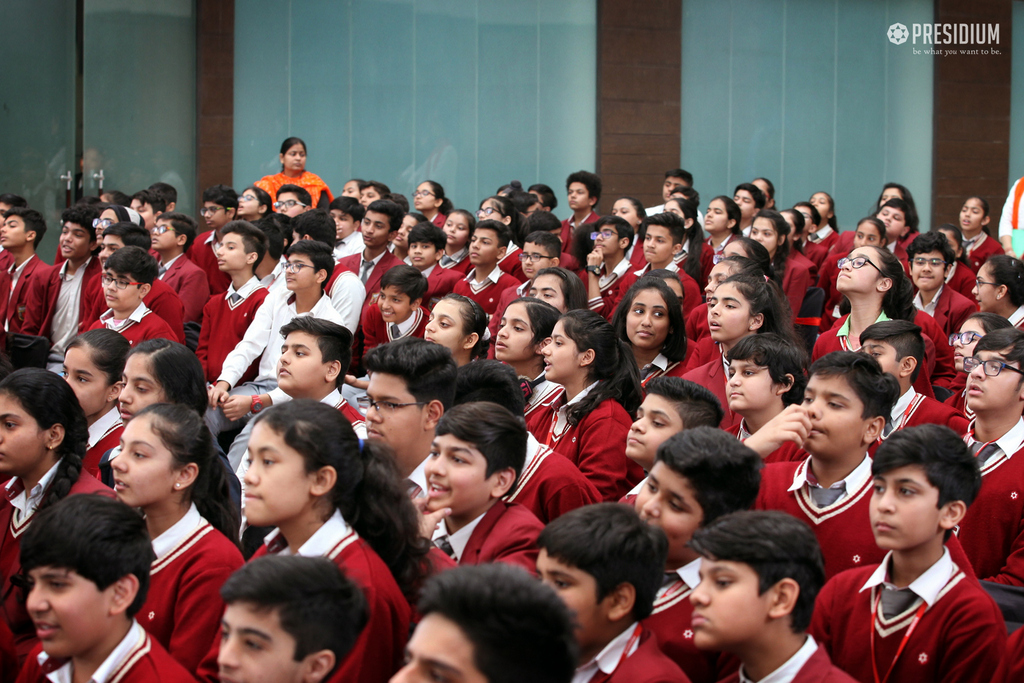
930 261
700 475
540 252
128 276
288 619
220 204
759 575
526 326
607 264
606 564
426 249
88 563
471 618
399 311
173 234
486 281
916 616
650 320
22 231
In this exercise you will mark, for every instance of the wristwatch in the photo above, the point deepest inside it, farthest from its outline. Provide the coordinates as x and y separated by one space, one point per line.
596 270
256 405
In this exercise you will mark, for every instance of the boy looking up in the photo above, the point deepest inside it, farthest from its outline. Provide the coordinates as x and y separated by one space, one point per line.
22 230
173 234
220 204
584 190
916 615
750 199
127 279
347 213
759 575
605 563
149 204
486 281
426 247
293 200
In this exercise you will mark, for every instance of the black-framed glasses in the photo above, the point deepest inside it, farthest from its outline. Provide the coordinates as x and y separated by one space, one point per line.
485 212
210 210
384 407
964 338
287 204
979 282
992 367
107 280
933 262
532 258
295 267
423 193
858 262
607 234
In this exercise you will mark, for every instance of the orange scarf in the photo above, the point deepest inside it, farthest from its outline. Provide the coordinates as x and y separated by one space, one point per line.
310 182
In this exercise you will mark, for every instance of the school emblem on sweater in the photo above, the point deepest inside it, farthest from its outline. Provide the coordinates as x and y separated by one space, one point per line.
923 658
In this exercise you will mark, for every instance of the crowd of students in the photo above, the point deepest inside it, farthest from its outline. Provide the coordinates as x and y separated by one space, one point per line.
339 438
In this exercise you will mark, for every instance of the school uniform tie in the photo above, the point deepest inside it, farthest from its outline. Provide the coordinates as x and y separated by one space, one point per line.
823 497
413 489
445 546
984 451
364 270
235 298
163 269
446 260
887 429
395 332
897 601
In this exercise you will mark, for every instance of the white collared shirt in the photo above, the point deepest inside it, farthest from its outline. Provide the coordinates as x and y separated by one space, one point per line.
428 271
347 296
788 671
492 276
902 403
608 659
16 271
561 422
852 483
689 574
353 244
1009 443
167 266
111 323
273 278
27 502
460 538
166 542
659 363
928 308
69 302
1017 316
457 257
635 491
821 234
618 271
135 636
927 586
248 288
322 540
103 425
405 327
419 477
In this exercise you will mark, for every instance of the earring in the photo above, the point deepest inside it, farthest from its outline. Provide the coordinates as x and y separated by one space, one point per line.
177 486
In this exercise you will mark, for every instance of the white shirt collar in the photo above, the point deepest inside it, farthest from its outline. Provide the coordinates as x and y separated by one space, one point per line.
406 325
321 542
136 316
690 573
16 270
167 266
166 542
891 247
78 273
248 288
533 449
608 659
927 586
618 271
419 476
853 481
930 307
460 538
133 639
1010 442
27 502
1017 316
822 233
332 399
788 671
428 271
376 260
901 405
492 276
271 277
106 422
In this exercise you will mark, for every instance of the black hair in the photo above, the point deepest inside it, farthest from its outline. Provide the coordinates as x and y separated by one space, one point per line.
120 198
902 335
49 401
490 380
222 195
781 228
291 142
183 224
446 204
321 255
732 212
776 546
946 459
368 492
276 227
876 389
543 316
100 539
82 216
156 200
549 244
618 377
878 225
17 201
349 205
333 340
131 235
547 196
301 193
589 180
428 233
186 436
623 229
135 263
388 208
949 229
680 173
786 362
525 202
573 291
474 321
427 369
756 253
990 322
493 430
693 237
254 240
262 199
910 212
766 299
696 405
380 187
504 612
545 221
177 370
674 347
799 222
167 190
500 230
34 221
1009 271
770 194
898 301
316 604
400 200
998 340
612 544
407 279
759 199
675 225
317 225
813 210
107 350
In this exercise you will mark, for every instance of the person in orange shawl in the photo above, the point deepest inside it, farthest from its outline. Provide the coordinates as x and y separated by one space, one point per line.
293 172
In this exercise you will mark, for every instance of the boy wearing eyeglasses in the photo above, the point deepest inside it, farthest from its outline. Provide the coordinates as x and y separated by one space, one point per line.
293 200
991 532
220 204
930 257
172 235
540 250
607 263
127 278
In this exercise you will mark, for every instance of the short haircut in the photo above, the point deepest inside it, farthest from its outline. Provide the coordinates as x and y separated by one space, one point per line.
759 199
675 225
611 543
407 279
504 612
902 335
348 205
622 228
380 187
333 340
813 210
932 241
98 538
683 175
544 221
498 434
82 216
320 254
169 192
776 546
390 209
428 233
427 369
221 194
400 199
301 193
500 230
274 226
135 263
725 474
548 243
254 240
490 380
780 356
131 235
946 459
183 224
546 194
316 224
13 200
999 340
589 180
33 220
697 405
156 200
316 604
876 389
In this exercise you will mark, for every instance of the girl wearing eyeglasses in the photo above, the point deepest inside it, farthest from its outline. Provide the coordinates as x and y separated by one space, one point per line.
503 209
963 343
999 288
870 232
254 203
430 201
293 172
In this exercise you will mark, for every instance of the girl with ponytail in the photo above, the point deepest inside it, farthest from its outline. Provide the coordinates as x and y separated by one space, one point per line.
772 231
330 494
168 469
588 421
430 201
43 437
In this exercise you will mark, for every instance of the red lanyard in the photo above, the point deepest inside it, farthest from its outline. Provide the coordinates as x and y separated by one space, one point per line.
629 644
552 438
914 402
903 643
